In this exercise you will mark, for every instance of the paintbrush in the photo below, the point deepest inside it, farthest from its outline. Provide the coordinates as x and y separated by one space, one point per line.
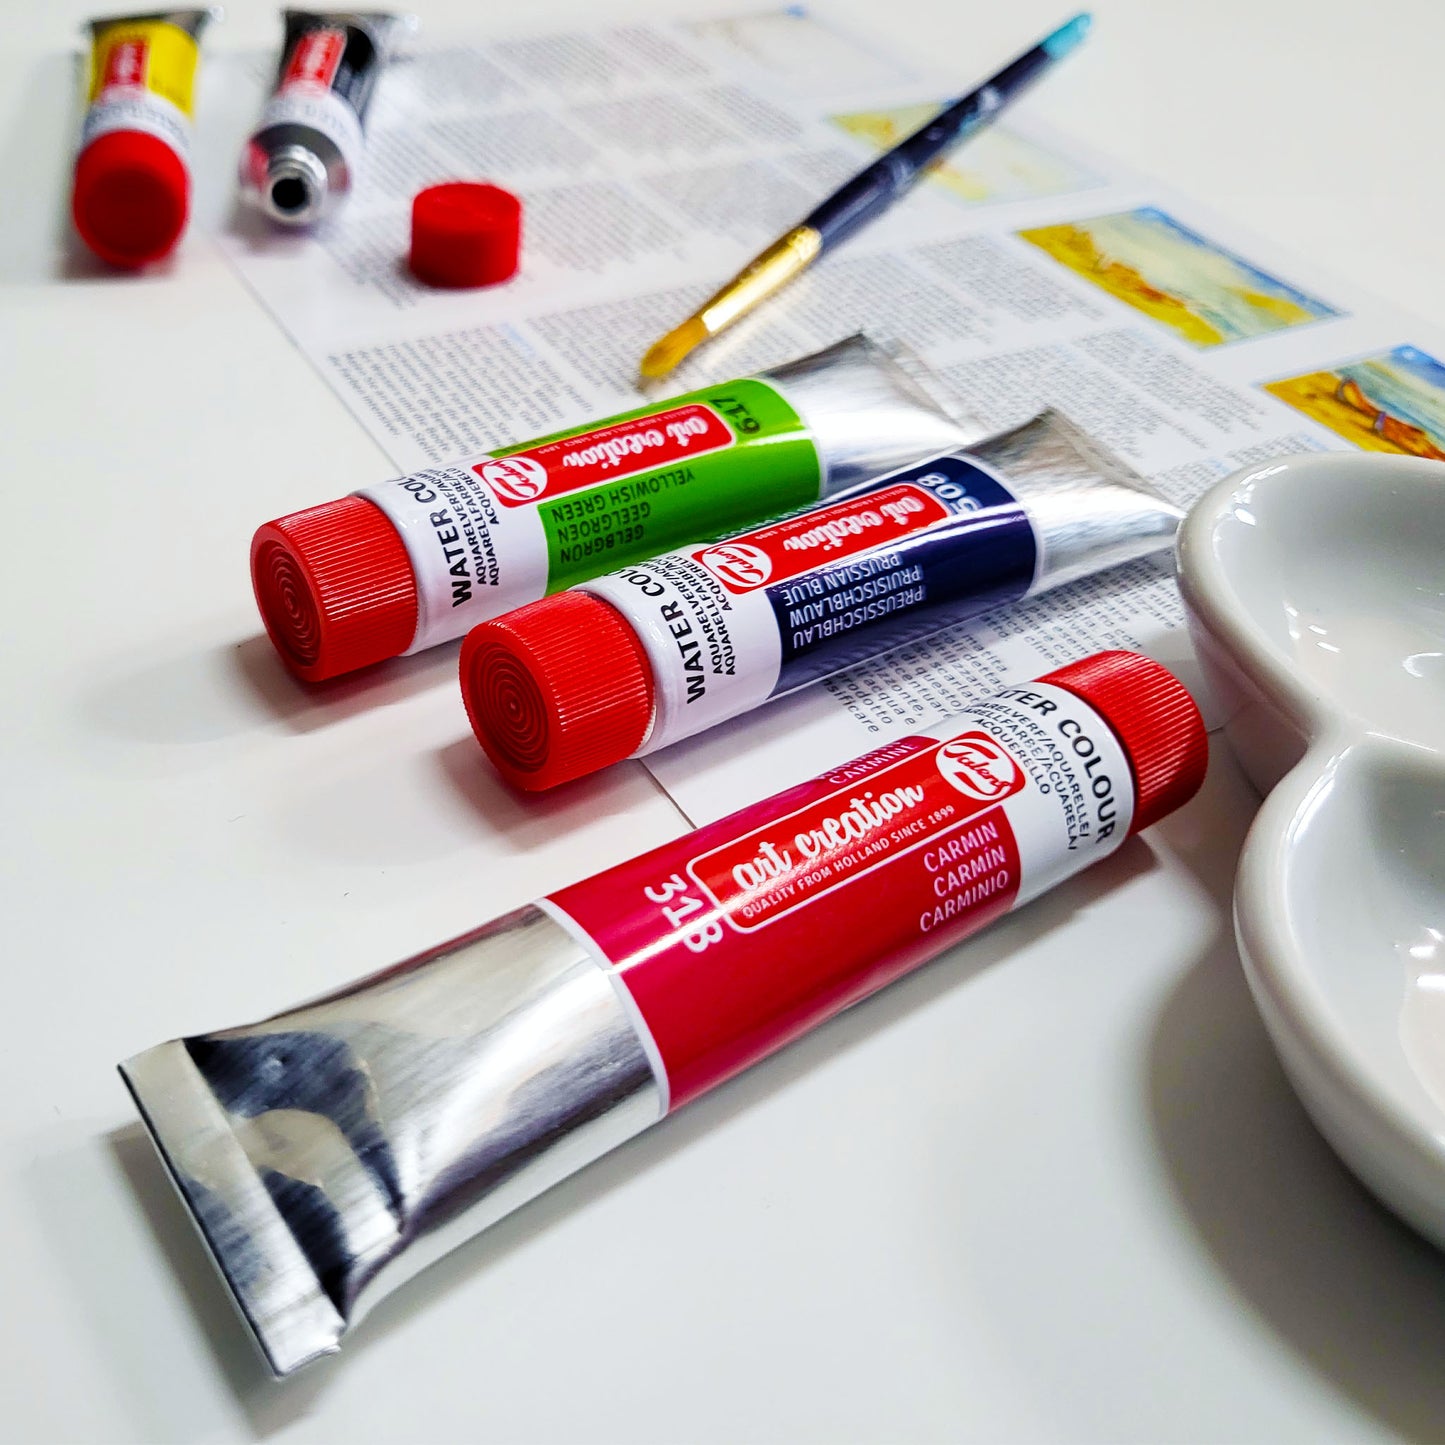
868 194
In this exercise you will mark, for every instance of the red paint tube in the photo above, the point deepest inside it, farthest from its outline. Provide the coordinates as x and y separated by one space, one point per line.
331 1151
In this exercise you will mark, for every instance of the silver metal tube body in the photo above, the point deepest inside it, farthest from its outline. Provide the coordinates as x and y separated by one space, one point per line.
1088 509
870 409
330 1153
193 22
301 174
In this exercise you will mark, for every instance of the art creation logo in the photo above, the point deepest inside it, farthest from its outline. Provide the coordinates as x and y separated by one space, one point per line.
738 564
649 443
316 59
126 64
979 768
515 479
820 536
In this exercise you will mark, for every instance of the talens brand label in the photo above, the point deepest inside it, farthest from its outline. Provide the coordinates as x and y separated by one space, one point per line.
316 59
623 449
905 851
797 859
125 65
825 534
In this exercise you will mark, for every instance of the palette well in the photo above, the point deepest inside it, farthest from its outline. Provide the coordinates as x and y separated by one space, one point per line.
1316 591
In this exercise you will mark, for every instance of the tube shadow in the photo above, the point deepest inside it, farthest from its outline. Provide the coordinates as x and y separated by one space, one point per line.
209 693
259 235
525 819
176 1238
101 1200
305 706
272 1406
439 802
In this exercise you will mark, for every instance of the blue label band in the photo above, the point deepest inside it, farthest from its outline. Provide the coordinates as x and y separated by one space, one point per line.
845 612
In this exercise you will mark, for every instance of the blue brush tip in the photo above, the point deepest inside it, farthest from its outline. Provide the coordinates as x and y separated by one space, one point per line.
1067 36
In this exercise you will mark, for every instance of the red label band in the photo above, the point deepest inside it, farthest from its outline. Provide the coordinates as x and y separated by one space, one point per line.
824 534
316 59
125 65
621 450
795 860
751 931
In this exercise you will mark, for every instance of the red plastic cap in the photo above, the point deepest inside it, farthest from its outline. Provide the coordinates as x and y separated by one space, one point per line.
335 588
1156 722
556 689
465 234
132 194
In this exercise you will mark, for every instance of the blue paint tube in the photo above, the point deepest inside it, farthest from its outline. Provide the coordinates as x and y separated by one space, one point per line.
632 661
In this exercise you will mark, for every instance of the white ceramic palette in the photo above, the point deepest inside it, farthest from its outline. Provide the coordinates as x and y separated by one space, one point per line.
1316 587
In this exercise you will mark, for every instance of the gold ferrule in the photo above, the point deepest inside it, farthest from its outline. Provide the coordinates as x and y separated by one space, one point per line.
768 273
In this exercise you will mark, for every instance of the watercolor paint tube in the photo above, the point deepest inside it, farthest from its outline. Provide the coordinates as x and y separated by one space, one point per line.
132 190
644 656
421 559
301 161
333 1151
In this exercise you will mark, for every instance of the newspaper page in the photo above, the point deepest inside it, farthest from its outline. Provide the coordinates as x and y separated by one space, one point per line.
653 159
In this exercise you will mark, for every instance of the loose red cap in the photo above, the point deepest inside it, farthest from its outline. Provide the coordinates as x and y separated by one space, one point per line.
465 234
1156 722
132 194
556 689
335 588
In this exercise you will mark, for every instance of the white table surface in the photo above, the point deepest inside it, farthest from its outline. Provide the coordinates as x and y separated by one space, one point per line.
1054 1187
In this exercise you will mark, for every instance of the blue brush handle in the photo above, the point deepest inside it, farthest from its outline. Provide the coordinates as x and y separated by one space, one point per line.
879 185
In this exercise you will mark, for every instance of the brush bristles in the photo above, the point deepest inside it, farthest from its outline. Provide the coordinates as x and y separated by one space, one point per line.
669 353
